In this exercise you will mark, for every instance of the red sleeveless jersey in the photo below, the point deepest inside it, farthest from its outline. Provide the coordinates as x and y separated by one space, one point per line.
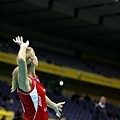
34 101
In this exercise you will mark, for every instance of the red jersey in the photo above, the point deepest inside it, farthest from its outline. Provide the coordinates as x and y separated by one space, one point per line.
34 102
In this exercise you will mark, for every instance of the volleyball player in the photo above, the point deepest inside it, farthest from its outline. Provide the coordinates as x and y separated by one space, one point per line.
31 92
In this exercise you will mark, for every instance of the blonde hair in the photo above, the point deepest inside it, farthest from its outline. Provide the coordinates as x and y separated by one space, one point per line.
29 57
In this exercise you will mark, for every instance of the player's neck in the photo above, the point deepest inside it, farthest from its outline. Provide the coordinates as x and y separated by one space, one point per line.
32 75
31 72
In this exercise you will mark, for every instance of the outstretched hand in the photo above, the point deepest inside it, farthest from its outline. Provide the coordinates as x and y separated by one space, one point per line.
19 40
58 108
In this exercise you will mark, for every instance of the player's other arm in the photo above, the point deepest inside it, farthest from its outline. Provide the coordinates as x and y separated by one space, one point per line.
56 106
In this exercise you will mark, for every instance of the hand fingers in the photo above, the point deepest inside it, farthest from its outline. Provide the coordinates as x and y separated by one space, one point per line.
27 42
60 109
60 106
58 114
21 39
62 103
14 40
18 38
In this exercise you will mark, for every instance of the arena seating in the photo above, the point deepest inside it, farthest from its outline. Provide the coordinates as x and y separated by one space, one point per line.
68 61
72 110
84 109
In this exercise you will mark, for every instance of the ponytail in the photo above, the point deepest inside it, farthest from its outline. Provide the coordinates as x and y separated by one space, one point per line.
14 79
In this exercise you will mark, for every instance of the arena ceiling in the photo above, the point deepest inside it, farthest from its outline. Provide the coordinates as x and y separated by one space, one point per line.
70 25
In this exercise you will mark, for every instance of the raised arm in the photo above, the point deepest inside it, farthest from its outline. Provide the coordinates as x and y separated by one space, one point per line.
23 80
56 106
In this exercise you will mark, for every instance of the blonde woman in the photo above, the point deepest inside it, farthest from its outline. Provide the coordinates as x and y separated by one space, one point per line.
31 92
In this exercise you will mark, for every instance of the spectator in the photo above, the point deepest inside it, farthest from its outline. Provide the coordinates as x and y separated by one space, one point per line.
100 110
76 97
87 97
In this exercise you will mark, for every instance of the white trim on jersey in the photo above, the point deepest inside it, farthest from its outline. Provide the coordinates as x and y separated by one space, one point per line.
34 97
22 106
